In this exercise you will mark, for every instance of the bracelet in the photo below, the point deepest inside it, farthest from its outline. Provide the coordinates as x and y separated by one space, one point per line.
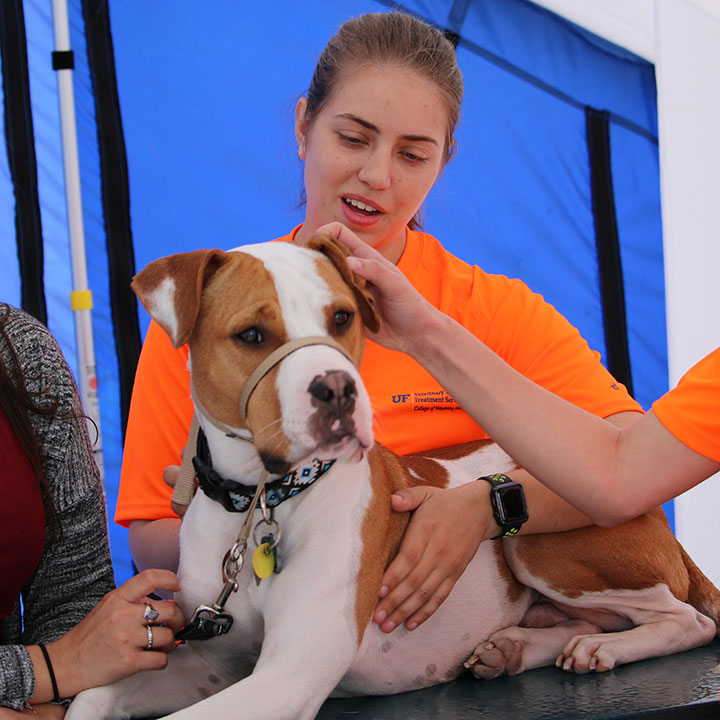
56 697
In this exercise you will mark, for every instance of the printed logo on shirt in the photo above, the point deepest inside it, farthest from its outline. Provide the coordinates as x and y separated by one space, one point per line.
427 401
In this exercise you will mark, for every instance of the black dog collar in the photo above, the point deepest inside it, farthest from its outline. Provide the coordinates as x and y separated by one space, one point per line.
236 497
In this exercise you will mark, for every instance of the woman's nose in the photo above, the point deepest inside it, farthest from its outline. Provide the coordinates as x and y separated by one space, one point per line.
376 170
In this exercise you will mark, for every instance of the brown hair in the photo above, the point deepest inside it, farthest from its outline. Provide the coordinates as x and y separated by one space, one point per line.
392 39
16 401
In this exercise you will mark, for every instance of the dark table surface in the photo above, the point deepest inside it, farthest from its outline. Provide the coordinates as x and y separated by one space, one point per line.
680 686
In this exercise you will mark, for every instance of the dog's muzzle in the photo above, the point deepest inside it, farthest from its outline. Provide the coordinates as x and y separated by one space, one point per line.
277 356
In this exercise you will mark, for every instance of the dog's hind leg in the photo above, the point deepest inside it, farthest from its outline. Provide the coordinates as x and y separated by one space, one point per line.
676 628
514 650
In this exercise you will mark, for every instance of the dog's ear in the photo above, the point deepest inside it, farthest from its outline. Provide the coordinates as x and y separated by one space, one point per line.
170 289
336 252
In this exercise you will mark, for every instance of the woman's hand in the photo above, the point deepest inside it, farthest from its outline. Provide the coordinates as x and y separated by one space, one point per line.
112 641
406 315
443 535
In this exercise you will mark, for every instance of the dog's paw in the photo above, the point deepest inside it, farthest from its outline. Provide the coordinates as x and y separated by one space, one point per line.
495 657
588 653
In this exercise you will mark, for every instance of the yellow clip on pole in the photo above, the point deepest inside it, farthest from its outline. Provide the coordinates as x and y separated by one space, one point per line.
81 300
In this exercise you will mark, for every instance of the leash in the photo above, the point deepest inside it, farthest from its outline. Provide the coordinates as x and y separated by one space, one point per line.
185 483
209 621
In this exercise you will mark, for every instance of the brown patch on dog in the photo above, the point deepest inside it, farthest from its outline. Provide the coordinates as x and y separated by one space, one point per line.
381 531
336 252
190 273
344 299
514 587
635 555
453 452
426 471
222 363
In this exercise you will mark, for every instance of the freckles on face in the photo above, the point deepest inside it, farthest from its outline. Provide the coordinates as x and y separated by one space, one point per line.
373 153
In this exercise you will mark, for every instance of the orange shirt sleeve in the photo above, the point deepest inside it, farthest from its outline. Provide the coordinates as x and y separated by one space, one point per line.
160 414
691 411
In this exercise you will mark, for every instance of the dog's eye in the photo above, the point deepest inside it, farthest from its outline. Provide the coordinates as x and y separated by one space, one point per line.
251 336
342 319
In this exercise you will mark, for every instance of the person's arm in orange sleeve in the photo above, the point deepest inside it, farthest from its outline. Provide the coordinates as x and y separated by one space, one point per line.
160 414
613 470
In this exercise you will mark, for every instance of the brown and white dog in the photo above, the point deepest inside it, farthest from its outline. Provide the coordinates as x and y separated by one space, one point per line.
589 599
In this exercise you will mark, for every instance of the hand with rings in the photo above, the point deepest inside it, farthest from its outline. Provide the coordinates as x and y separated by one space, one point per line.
150 615
116 637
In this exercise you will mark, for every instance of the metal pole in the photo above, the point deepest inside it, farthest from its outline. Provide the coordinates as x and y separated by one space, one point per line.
81 296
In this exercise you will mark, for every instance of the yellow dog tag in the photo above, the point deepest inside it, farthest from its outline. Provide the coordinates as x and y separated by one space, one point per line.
263 561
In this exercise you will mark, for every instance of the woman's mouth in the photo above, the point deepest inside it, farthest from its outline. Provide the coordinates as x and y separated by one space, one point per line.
361 208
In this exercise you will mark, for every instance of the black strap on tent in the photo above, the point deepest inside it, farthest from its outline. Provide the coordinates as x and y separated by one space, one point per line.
612 288
20 140
115 195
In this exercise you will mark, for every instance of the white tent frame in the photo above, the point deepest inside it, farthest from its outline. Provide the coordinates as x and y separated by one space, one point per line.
80 297
682 39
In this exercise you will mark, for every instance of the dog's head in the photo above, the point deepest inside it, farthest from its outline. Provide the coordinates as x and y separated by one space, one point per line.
235 308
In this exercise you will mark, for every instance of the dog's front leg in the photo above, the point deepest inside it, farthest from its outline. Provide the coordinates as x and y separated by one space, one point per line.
311 639
190 675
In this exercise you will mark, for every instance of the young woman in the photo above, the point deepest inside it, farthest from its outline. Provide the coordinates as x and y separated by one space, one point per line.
609 473
375 131
73 631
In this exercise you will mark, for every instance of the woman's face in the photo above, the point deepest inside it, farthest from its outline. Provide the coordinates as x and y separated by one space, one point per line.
372 154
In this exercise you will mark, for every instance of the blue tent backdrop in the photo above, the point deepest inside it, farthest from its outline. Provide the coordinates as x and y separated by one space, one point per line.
185 128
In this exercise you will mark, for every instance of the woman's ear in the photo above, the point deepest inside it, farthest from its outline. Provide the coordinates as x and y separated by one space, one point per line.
301 127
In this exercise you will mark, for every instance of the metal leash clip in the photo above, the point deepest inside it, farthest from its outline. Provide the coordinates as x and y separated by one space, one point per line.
209 621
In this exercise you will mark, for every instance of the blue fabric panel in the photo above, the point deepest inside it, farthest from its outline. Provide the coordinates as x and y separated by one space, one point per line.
97 265
51 185
10 275
516 198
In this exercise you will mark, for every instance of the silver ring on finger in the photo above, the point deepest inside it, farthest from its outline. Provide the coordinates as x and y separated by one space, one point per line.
150 613
149 645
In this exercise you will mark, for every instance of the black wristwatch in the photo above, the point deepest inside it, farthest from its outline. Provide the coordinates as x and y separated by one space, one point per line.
507 498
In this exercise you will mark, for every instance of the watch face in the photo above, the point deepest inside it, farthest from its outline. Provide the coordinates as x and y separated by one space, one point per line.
512 503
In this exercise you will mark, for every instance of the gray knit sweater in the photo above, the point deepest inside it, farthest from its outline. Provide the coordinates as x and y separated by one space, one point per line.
75 573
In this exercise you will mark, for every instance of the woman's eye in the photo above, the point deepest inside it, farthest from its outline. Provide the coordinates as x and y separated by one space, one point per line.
342 319
251 336
412 157
350 140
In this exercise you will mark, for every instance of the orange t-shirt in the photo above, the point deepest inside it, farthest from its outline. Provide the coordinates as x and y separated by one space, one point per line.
691 411
411 410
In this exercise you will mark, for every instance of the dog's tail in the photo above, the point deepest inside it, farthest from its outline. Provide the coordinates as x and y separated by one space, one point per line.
702 594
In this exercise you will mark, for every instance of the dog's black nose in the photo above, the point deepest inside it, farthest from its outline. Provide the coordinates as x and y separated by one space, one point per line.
335 391
275 465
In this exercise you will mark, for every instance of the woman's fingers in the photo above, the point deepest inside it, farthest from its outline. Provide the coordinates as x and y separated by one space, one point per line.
146 582
349 239
168 613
